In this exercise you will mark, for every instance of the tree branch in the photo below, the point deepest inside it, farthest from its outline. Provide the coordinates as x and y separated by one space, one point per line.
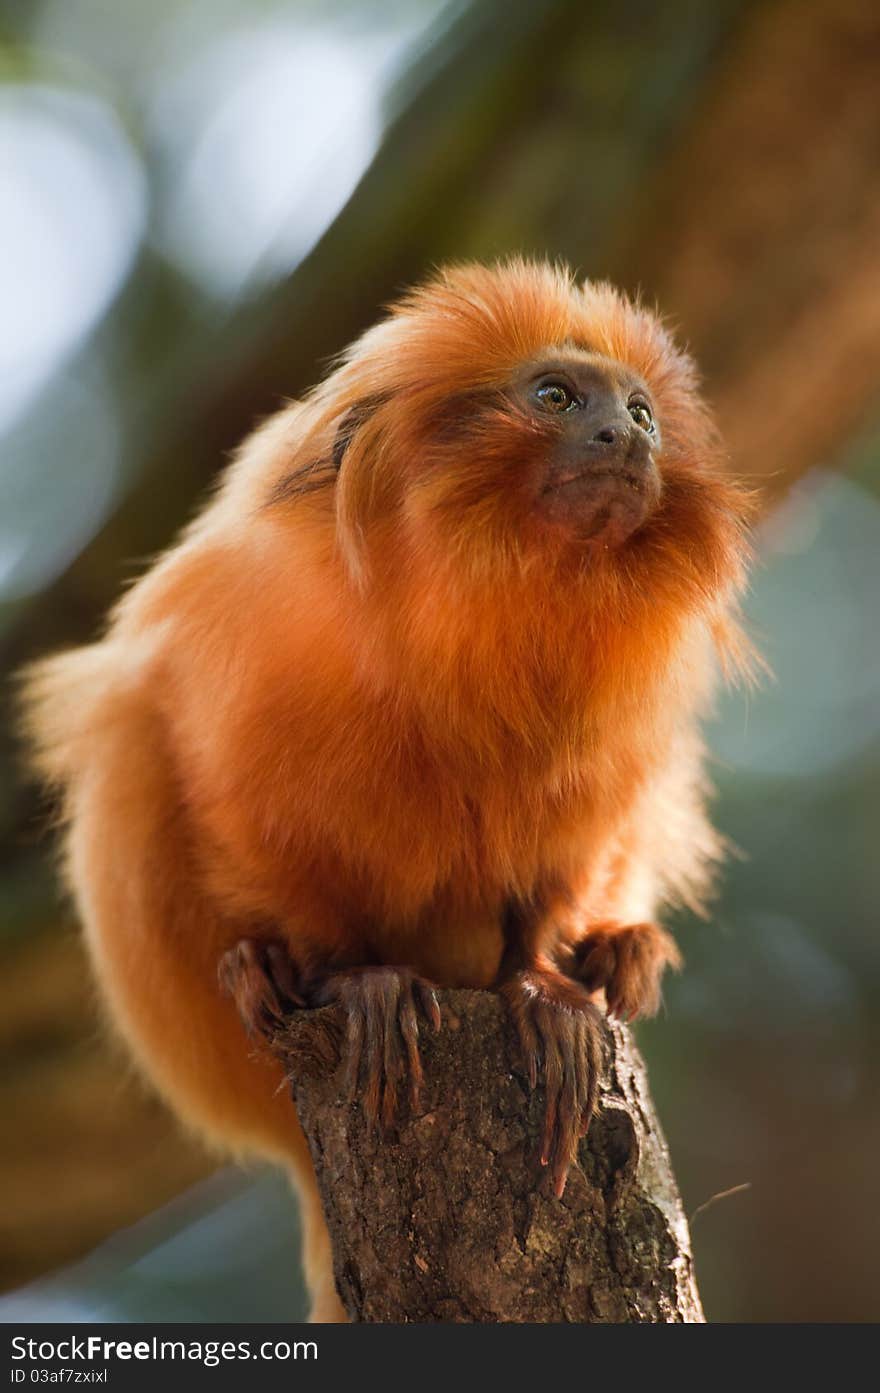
449 1216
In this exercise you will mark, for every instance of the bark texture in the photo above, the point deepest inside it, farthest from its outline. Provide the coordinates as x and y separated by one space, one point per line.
449 1216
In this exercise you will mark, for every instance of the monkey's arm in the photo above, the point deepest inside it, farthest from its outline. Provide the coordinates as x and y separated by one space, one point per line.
627 962
603 934
548 977
560 1034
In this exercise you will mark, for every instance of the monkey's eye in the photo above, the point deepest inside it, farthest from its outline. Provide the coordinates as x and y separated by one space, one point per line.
641 414
555 396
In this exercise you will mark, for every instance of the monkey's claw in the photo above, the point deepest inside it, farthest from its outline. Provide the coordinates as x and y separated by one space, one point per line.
627 960
382 1006
260 976
560 1033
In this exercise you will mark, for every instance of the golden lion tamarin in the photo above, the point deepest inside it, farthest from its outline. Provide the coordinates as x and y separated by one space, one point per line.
414 701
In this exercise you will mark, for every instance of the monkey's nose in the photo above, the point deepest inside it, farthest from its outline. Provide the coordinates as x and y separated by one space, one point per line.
608 435
622 440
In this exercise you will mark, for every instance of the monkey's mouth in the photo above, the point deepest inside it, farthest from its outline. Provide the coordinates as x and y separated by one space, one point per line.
604 504
624 476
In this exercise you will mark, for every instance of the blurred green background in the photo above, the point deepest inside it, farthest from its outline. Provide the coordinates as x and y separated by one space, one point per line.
199 202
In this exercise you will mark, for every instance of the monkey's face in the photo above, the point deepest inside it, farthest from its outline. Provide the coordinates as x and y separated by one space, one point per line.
505 424
596 473
560 458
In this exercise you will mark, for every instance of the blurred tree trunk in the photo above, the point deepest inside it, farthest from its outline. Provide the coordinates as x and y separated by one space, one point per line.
449 1217
521 128
758 233
679 149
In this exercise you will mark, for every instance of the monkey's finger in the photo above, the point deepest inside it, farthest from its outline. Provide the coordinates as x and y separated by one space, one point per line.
583 1072
409 1029
392 1062
620 993
567 1122
585 1088
370 993
242 975
528 1042
563 1158
427 999
597 960
642 952
553 1078
282 974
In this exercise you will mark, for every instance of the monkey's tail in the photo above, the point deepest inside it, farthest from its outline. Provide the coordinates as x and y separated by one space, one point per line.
64 701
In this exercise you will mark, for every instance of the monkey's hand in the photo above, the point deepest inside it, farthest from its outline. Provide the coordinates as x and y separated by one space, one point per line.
260 976
560 1032
627 960
382 1007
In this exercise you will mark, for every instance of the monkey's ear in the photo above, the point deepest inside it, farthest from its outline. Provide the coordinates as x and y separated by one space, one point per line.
314 475
368 481
354 418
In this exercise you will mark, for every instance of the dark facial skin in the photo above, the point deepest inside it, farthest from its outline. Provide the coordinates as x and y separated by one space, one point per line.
601 478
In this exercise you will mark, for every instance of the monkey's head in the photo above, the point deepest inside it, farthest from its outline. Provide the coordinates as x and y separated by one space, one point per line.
508 431
589 467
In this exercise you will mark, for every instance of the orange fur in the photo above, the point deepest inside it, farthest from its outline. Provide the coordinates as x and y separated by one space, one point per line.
365 713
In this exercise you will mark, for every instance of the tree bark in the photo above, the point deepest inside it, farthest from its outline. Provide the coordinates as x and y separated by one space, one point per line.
448 1216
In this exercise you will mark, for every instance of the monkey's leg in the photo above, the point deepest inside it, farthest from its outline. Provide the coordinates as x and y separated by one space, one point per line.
627 961
155 942
260 976
560 1033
